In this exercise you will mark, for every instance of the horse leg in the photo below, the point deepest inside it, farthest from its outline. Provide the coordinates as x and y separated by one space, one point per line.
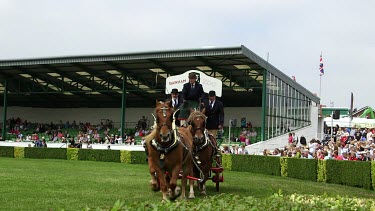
163 183
183 185
154 183
191 184
174 190
207 170
203 188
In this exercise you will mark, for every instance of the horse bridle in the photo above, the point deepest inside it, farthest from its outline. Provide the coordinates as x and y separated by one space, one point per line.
195 129
169 134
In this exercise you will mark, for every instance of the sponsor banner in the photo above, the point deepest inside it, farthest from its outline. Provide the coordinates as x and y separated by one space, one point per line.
208 83
364 125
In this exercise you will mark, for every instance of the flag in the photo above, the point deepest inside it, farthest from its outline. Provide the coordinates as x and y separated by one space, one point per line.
321 69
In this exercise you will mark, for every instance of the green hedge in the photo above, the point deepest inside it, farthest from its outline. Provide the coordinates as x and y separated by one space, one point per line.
72 154
256 164
6 151
351 173
45 153
99 155
226 160
125 156
133 157
283 167
138 157
304 169
19 152
322 171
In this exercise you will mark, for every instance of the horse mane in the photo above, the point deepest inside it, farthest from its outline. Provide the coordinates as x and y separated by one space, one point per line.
196 114
152 134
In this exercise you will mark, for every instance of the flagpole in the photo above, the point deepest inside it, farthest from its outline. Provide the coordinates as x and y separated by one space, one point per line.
320 87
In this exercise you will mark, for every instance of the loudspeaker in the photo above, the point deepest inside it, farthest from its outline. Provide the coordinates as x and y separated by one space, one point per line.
233 122
336 114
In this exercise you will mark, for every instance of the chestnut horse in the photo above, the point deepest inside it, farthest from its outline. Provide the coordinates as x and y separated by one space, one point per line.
169 151
204 148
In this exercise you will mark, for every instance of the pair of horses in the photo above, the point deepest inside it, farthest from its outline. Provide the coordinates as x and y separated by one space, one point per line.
171 152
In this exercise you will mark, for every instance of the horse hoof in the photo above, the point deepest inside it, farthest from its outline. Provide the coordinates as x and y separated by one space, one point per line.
176 193
182 198
154 186
203 193
191 196
164 201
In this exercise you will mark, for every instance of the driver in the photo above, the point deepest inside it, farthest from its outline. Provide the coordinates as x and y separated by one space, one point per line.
192 93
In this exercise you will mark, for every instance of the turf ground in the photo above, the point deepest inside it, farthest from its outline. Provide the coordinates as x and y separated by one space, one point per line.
28 184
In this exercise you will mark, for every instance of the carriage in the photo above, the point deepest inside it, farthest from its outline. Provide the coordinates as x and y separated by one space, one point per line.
208 83
186 153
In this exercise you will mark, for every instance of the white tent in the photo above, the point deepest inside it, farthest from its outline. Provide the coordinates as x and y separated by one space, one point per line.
342 122
356 122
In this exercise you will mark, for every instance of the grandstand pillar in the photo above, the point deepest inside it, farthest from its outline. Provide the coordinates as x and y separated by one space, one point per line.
264 96
123 106
4 134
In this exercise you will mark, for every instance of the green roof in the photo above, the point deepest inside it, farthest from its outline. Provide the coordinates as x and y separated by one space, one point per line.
96 80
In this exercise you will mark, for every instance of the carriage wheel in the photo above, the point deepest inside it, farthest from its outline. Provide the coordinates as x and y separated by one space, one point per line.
217 175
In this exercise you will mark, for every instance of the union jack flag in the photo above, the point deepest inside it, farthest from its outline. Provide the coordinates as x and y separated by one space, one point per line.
321 69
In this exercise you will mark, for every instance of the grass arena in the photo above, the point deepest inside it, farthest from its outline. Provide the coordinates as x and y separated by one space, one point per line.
47 184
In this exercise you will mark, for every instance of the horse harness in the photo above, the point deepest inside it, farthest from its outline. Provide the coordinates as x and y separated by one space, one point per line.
207 142
163 150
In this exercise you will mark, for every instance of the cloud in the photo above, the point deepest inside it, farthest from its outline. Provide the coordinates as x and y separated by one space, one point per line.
293 32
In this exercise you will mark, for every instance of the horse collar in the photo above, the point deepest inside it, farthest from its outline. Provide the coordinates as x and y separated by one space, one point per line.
205 144
164 150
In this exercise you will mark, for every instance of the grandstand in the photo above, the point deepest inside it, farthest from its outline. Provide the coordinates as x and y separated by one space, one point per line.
123 87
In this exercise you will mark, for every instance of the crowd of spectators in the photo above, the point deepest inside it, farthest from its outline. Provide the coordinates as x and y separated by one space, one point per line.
235 149
345 144
245 136
74 133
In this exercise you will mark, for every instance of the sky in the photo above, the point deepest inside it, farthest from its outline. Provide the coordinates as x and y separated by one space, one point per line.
293 32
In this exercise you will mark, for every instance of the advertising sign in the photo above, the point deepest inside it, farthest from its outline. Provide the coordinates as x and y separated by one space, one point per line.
208 83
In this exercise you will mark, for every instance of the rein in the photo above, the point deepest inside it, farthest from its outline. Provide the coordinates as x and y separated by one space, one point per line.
202 129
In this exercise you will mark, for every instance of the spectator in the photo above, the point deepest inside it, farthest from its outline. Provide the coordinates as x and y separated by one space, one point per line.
327 156
290 139
44 144
320 155
295 138
233 150
265 152
242 138
336 155
128 140
353 156
345 156
303 141
226 150
242 150
89 145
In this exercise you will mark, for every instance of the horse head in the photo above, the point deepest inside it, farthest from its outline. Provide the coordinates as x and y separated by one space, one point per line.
164 111
197 120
